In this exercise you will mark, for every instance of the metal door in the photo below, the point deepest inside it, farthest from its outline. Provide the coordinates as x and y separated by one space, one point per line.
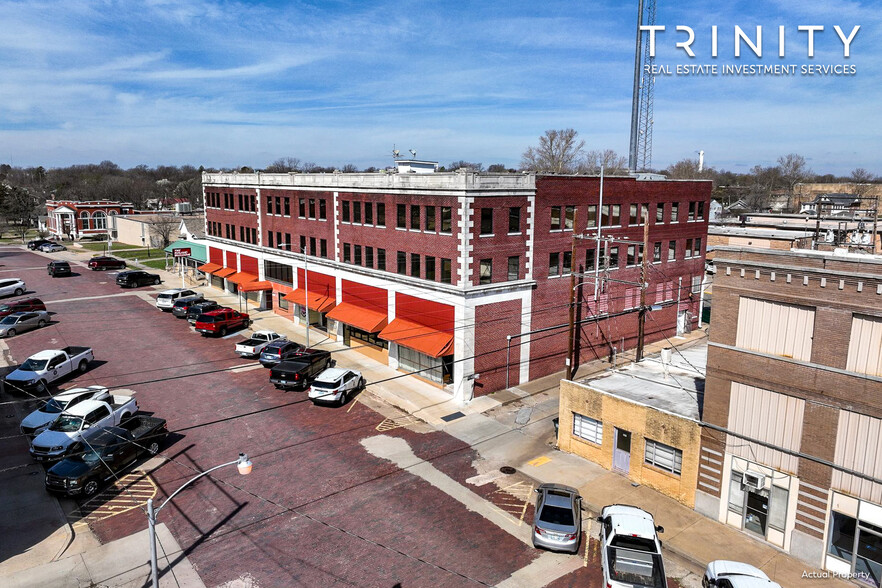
622 451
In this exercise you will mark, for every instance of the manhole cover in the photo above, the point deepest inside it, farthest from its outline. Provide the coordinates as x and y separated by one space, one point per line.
507 470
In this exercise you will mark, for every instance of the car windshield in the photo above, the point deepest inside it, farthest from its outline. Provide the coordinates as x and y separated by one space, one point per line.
557 515
52 407
67 424
34 365
5 308
9 320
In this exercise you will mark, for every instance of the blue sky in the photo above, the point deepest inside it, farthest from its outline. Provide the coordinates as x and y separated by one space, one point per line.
226 84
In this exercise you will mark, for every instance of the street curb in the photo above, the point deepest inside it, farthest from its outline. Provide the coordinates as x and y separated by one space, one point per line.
68 527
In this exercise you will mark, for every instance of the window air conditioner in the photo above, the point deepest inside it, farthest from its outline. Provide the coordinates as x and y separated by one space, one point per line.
753 480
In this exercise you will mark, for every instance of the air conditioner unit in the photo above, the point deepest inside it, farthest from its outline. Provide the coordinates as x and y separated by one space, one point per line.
753 480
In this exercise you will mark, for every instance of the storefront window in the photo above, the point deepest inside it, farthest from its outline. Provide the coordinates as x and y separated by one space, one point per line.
842 535
430 368
736 493
778 508
368 338
283 304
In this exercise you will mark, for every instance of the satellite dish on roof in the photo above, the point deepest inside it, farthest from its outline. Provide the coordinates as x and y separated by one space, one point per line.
395 153
413 153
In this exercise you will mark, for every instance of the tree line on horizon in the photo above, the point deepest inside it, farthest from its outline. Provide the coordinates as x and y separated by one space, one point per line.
24 190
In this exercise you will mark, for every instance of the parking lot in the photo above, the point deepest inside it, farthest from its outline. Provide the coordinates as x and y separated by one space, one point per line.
322 506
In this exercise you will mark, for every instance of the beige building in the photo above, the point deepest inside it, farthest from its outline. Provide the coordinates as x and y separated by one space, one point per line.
147 229
641 421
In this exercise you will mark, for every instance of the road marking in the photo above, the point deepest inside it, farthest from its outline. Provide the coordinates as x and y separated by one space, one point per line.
518 499
24 269
542 460
131 491
389 424
91 297
246 368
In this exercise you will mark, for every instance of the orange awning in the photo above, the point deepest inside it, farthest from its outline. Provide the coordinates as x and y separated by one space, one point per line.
255 286
242 278
315 301
366 319
223 273
420 337
209 268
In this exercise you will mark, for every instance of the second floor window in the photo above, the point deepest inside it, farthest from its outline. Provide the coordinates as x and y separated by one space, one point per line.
514 268
430 219
446 271
356 212
486 271
555 218
514 219
368 213
402 216
344 211
402 263
381 214
414 217
446 214
486 221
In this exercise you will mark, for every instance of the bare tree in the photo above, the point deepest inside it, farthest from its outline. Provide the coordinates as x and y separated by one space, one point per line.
763 181
284 165
349 168
497 168
861 181
613 163
559 151
468 165
162 229
793 170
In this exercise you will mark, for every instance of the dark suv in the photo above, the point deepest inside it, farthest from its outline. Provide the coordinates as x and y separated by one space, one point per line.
182 305
278 351
58 268
298 370
201 307
136 278
23 305
106 263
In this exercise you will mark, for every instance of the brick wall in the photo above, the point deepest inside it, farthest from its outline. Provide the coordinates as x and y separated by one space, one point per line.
492 323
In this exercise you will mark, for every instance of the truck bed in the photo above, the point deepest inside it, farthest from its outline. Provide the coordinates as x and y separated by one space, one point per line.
140 425
73 351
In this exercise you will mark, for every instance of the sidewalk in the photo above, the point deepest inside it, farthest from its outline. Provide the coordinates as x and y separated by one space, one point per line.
123 563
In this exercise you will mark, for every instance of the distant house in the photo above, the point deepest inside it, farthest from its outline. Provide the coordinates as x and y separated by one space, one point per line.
76 220
831 204
716 211
147 230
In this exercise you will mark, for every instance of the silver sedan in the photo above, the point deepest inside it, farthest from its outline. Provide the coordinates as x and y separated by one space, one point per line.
19 322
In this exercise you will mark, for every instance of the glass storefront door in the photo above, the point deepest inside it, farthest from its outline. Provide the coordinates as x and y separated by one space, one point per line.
756 512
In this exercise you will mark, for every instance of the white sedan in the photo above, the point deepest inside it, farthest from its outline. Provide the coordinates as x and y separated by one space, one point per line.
734 574
335 385
52 248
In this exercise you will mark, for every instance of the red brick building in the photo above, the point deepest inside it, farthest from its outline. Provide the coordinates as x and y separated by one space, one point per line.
72 218
463 277
791 450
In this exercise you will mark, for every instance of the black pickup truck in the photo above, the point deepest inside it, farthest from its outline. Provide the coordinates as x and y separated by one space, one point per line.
107 453
298 370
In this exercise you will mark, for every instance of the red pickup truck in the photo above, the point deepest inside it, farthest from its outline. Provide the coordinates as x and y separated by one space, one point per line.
218 322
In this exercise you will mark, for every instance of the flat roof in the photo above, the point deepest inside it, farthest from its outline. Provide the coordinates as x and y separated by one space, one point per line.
679 389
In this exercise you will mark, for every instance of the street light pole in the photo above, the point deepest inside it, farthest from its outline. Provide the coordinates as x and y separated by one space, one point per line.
244 466
306 292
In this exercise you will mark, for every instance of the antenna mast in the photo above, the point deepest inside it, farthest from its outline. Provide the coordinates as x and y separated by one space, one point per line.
640 152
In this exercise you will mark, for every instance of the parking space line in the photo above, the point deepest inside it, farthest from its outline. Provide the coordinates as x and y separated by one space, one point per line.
247 367
390 424
517 499
131 492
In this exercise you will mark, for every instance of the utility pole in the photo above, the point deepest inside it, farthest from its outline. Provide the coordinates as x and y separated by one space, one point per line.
571 331
641 317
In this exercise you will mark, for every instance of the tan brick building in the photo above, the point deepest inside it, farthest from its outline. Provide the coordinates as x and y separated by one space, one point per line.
791 450
641 421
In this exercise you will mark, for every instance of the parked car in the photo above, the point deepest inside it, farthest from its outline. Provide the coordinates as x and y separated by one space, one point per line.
276 351
43 416
22 305
136 279
52 247
335 386
218 322
253 346
12 287
167 298
108 452
58 268
19 322
37 243
64 434
45 367
298 370
182 305
201 308
557 523
103 263
734 574
630 548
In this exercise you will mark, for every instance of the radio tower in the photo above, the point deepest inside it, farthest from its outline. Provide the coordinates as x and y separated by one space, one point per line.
640 153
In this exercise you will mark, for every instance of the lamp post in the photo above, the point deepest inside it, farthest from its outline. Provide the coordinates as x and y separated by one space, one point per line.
244 466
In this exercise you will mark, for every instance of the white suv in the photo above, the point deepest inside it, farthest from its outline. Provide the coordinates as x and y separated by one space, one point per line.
12 287
630 549
734 574
334 385
166 299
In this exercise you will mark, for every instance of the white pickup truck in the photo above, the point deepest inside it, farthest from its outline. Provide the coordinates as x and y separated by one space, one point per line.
40 418
45 367
72 426
259 339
